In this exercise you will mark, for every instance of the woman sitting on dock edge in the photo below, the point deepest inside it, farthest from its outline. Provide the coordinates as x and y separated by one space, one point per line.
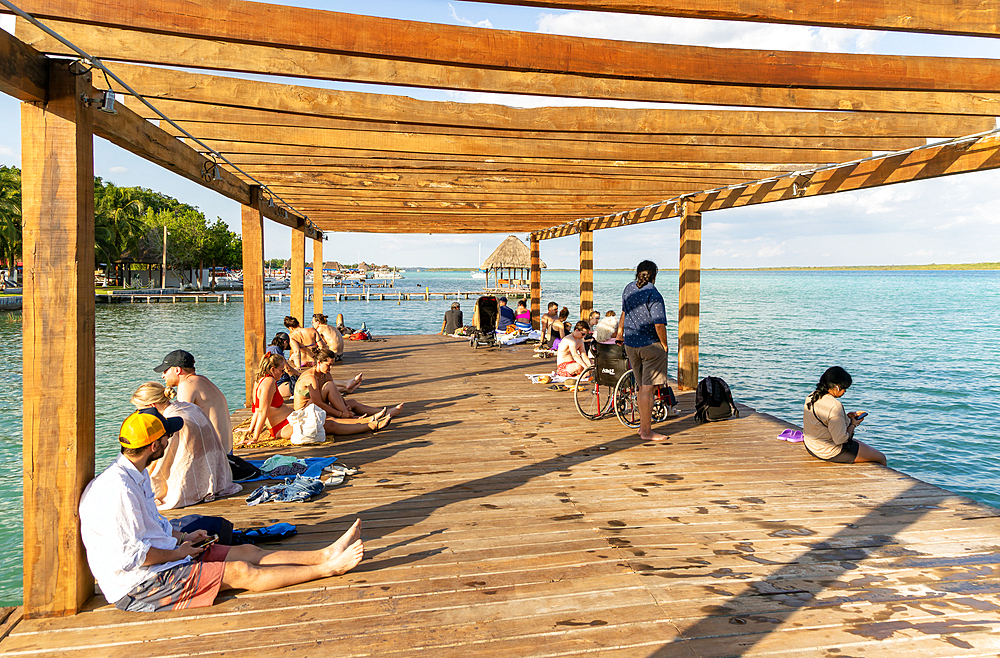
828 431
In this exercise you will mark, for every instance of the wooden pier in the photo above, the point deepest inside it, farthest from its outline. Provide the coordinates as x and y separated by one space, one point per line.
498 522
376 295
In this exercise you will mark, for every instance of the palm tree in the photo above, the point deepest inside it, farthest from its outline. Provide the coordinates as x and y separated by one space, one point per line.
118 220
11 221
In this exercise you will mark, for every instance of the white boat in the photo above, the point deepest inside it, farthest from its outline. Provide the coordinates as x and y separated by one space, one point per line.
480 273
271 283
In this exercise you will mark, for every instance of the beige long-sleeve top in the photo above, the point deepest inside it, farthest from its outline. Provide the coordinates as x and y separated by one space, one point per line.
826 430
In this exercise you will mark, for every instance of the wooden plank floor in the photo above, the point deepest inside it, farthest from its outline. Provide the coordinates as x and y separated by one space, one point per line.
498 522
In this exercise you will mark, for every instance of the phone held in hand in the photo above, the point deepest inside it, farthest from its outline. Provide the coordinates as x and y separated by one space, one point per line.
861 415
206 542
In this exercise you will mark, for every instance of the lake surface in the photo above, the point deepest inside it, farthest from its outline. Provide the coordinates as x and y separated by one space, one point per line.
923 348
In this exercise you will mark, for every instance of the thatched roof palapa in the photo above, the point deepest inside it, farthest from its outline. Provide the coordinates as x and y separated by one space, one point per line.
512 253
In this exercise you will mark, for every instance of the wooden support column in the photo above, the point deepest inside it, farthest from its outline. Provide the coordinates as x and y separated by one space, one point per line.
298 301
536 283
586 273
57 180
254 329
690 298
317 276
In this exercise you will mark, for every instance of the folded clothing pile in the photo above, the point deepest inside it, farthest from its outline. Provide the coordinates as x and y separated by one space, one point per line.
292 490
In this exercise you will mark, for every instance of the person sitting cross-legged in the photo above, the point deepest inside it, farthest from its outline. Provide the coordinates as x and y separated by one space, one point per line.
142 565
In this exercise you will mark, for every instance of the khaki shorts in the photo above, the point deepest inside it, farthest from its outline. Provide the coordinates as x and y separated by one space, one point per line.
649 364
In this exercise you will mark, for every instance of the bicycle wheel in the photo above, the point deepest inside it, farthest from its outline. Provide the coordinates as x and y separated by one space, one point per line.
627 400
593 400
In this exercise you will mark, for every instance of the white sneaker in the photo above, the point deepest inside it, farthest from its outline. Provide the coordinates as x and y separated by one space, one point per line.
672 412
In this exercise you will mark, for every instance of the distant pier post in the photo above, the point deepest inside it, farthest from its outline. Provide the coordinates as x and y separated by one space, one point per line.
586 272
689 307
536 282
317 276
58 347
298 301
254 330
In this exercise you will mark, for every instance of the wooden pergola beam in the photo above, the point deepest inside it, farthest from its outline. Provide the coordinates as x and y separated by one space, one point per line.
204 89
973 154
240 21
282 154
320 164
23 70
153 48
193 117
449 145
931 16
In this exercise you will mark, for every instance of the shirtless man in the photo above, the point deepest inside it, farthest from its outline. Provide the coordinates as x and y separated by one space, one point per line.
330 336
177 370
547 320
571 359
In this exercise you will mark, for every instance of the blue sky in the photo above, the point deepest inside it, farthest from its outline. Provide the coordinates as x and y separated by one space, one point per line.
949 220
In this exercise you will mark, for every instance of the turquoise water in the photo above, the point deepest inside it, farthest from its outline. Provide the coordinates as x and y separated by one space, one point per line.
923 347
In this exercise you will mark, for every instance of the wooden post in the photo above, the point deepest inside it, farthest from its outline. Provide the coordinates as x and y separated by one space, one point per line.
254 329
690 298
536 282
317 276
586 273
298 302
57 181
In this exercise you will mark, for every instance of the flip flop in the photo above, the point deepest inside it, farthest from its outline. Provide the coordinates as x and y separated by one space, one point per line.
792 436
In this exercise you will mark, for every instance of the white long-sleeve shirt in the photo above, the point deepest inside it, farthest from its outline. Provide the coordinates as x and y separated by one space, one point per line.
119 524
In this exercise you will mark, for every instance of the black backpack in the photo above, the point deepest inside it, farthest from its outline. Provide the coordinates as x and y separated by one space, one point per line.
714 401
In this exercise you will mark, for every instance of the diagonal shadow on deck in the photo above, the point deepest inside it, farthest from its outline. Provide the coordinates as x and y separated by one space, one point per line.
843 551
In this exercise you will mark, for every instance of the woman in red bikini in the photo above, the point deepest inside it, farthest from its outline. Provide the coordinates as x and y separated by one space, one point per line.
270 408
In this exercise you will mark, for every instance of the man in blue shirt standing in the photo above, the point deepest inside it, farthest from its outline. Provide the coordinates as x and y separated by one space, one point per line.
643 327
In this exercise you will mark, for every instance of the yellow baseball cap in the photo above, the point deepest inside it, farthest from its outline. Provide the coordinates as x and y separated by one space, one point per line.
144 426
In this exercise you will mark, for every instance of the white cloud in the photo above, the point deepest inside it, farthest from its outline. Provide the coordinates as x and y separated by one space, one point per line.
465 21
117 170
697 32
6 150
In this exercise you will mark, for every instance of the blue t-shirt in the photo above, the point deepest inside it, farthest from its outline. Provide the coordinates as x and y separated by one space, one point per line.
642 309
506 318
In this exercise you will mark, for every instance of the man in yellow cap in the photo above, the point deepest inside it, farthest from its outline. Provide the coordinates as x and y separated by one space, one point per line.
141 564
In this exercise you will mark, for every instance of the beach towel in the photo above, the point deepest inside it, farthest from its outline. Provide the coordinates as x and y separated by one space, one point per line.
315 466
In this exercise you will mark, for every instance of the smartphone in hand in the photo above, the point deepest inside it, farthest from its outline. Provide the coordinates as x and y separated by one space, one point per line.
861 415
206 542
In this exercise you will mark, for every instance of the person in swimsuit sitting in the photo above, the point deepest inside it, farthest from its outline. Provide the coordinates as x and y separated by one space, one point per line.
522 317
546 321
329 336
316 386
269 407
278 346
304 339
570 359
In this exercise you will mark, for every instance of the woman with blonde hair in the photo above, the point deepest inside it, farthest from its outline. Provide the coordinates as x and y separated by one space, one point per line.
194 468
269 407
316 386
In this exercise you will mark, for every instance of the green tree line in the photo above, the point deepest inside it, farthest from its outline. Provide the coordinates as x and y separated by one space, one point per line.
128 229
